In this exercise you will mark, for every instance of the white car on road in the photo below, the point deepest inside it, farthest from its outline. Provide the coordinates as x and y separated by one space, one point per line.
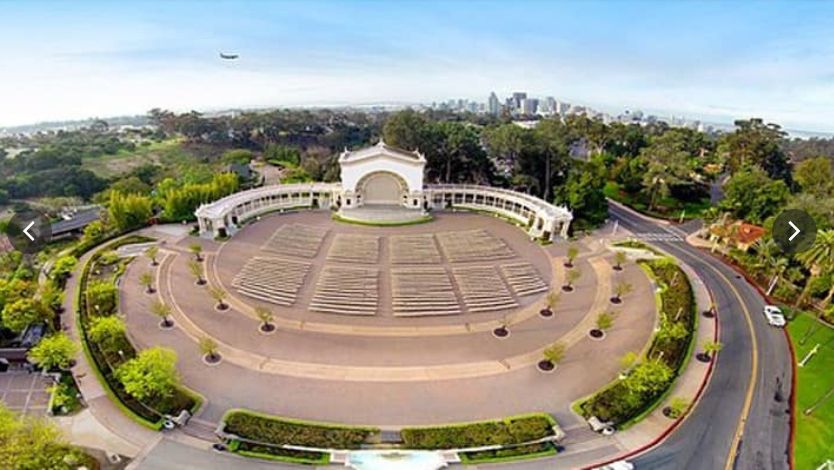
774 316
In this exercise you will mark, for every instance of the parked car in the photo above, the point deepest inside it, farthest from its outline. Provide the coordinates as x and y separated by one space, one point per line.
774 316
618 465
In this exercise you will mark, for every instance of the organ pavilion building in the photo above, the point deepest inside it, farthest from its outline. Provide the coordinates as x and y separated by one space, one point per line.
383 185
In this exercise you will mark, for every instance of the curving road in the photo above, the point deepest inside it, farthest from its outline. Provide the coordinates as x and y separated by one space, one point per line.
734 425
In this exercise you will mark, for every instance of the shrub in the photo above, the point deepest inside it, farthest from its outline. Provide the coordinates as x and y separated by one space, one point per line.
273 430
513 430
151 374
54 351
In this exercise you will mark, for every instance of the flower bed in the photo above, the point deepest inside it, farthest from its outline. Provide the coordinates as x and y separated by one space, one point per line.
508 431
106 359
626 401
268 431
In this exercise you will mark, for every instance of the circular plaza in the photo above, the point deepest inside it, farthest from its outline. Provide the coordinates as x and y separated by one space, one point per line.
380 301
396 334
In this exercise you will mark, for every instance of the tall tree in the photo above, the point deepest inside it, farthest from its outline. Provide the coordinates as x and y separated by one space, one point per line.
754 143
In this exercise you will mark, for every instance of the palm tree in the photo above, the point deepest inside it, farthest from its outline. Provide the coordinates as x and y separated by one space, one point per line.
163 311
197 271
152 253
197 250
208 346
571 276
146 281
605 321
818 259
711 348
573 252
619 258
622 288
551 300
553 355
627 361
265 316
219 295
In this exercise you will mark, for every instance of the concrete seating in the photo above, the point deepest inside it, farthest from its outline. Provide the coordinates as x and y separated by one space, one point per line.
482 289
298 240
414 249
347 291
420 291
272 280
354 248
523 278
473 245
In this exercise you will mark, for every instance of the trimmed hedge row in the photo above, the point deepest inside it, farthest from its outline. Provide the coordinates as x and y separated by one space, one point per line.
303 457
532 451
507 431
272 430
147 414
620 403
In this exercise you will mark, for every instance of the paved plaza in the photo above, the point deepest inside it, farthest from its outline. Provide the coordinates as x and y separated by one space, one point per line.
385 369
25 392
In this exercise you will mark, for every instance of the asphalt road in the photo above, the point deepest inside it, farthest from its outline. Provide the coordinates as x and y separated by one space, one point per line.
705 439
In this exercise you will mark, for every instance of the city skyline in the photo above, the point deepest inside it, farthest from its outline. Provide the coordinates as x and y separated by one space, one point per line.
92 59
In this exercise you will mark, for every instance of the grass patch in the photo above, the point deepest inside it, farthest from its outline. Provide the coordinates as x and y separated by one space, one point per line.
421 220
814 438
279 454
508 431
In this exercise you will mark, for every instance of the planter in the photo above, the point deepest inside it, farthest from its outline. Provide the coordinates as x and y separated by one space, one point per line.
597 334
545 366
616 300
201 282
568 264
212 360
567 288
221 307
708 314
150 291
545 313
166 324
670 413
618 268
703 357
266 329
501 332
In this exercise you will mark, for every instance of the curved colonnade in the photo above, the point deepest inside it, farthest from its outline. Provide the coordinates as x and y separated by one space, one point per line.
225 216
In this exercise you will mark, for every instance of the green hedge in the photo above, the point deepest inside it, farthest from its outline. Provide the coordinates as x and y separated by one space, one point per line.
420 220
617 402
507 431
279 454
532 451
147 414
272 430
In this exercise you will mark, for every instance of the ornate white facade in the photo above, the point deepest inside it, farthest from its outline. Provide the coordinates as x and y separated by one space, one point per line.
388 177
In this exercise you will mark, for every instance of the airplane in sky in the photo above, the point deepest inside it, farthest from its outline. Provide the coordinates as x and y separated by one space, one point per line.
229 56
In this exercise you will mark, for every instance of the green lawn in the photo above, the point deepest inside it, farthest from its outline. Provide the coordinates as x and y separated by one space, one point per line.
666 208
814 440
168 153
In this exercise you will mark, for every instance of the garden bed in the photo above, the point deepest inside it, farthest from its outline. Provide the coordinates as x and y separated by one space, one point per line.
532 451
266 430
626 401
508 431
106 360
265 452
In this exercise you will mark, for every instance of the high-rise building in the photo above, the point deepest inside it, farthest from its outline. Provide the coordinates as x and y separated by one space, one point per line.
493 106
518 97
529 106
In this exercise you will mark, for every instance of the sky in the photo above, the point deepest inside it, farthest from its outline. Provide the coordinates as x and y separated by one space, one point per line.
710 60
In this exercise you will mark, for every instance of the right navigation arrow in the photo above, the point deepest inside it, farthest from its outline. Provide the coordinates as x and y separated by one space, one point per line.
796 230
